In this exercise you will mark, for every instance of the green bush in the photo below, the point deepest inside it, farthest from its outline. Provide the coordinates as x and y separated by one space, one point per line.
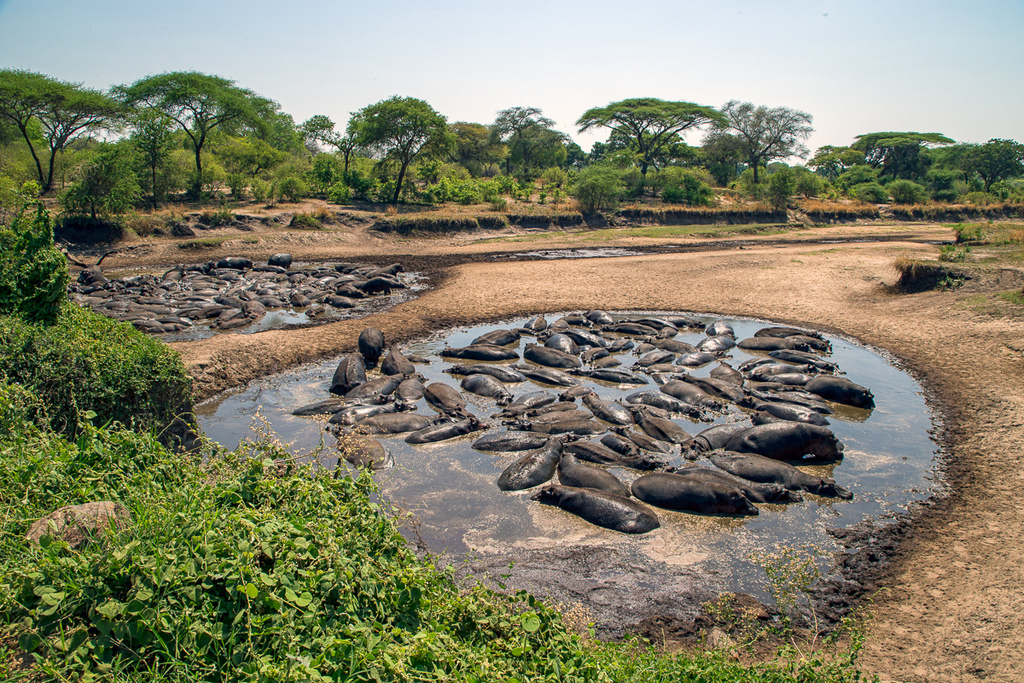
339 193
293 188
33 272
907 192
688 188
260 189
84 362
781 186
808 184
305 221
873 193
598 187
237 184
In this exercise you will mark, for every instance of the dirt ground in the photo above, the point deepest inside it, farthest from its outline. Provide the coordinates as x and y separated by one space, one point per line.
953 606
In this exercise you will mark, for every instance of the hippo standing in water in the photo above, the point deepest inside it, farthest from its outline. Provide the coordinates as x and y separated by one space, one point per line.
601 508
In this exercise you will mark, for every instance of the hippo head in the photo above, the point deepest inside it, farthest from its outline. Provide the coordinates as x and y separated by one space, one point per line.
546 494
830 488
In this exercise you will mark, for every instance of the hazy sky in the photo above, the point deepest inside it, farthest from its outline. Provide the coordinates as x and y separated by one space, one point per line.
856 67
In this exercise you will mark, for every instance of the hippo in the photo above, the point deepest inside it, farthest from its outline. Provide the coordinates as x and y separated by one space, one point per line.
715 388
362 451
395 363
609 411
563 343
351 373
551 358
371 345
696 359
765 470
720 328
585 338
505 442
610 375
580 427
497 338
410 390
393 423
716 437
660 428
353 413
642 441
766 344
727 373
485 352
532 469
328 406
446 430
572 472
600 508
788 441
487 386
665 402
804 358
528 402
375 390
499 372
841 390
717 344
546 375
599 317
601 454
755 492
789 411
692 494
690 393
280 260
445 399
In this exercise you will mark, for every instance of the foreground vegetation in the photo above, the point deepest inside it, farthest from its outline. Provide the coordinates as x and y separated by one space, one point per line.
242 565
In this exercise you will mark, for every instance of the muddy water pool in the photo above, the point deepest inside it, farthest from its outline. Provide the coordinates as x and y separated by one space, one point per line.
450 488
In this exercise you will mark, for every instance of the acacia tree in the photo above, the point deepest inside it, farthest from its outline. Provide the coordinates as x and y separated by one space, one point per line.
898 155
153 138
832 162
198 103
766 133
400 129
651 126
64 112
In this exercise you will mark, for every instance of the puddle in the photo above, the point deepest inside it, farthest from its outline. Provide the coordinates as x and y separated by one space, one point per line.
608 252
888 464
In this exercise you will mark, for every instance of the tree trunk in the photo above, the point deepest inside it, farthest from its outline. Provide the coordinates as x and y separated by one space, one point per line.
49 176
401 179
197 186
154 186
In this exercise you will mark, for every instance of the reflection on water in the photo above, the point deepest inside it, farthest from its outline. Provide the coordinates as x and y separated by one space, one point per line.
451 488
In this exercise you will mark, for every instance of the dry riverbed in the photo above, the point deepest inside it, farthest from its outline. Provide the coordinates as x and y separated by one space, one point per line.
951 607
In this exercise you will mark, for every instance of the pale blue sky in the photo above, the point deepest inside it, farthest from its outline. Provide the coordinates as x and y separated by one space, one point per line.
857 67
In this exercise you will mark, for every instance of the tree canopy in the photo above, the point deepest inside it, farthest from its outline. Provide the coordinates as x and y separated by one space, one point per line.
401 129
199 103
996 160
63 112
529 137
898 155
651 126
766 133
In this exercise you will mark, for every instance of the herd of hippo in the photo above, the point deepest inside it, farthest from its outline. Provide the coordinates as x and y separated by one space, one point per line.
231 293
549 418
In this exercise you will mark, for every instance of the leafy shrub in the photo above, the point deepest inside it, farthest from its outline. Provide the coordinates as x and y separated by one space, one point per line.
84 362
507 185
808 184
1008 190
33 272
781 186
215 219
293 188
107 185
360 183
306 221
688 188
598 187
339 193
554 177
499 204
857 175
326 172
873 193
260 189
979 198
907 192
748 188
237 183
952 253
971 232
